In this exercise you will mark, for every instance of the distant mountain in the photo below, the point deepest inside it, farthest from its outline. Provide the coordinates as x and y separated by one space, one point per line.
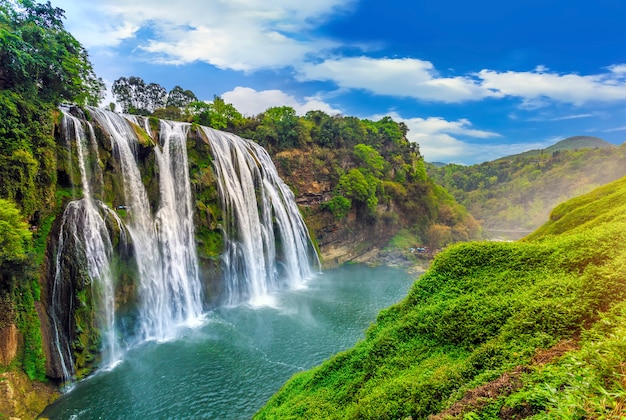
571 143
514 195
438 164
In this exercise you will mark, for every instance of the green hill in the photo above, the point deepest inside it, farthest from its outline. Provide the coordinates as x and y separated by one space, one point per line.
569 144
513 196
493 330
580 142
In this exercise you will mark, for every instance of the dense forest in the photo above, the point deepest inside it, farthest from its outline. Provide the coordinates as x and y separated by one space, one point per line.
514 195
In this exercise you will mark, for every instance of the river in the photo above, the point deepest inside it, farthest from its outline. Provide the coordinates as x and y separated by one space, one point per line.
228 366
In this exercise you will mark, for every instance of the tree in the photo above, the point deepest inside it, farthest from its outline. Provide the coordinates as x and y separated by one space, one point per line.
372 161
279 128
155 97
339 206
130 93
39 58
217 114
325 131
14 235
362 188
180 98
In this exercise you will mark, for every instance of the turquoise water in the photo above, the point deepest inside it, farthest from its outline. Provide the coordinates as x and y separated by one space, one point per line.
227 367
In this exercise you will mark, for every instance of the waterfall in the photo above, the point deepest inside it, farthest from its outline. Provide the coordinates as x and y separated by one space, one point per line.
164 243
179 283
255 201
267 245
84 230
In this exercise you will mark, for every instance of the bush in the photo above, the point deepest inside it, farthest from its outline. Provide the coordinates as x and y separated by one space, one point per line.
339 206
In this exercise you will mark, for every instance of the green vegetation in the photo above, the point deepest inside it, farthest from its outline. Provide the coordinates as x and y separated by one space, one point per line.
367 168
39 58
14 234
41 65
18 288
492 316
513 196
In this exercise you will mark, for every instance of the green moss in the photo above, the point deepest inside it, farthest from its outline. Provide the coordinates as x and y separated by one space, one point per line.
87 343
144 138
33 359
210 242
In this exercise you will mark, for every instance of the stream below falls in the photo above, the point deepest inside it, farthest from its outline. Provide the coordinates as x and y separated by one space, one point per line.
228 366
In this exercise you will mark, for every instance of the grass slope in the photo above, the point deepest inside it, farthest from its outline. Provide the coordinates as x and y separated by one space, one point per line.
482 313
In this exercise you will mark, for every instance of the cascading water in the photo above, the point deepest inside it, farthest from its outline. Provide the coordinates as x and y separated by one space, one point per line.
175 230
164 247
255 201
84 230
267 245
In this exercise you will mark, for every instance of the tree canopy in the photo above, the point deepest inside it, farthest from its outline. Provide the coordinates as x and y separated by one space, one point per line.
38 57
14 233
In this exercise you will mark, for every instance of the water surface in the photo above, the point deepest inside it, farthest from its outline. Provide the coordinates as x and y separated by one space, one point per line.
228 367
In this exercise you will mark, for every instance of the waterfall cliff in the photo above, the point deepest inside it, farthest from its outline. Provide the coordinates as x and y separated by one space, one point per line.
125 266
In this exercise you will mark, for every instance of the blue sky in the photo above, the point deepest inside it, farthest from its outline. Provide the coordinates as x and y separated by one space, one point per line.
473 80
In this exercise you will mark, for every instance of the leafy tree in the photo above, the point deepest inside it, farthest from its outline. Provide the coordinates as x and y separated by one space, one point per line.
280 128
180 98
362 188
14 234
130 93
372 161
155 96
339 206
217 114
38 57
325 129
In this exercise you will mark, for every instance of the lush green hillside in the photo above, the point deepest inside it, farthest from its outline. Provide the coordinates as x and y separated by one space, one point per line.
513 196
493 330
569 144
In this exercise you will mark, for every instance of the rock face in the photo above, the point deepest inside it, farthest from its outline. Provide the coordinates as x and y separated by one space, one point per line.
8 344
350 240
21 398
356 238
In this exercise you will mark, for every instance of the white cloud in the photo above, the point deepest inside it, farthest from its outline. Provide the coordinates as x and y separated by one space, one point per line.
241 35
618 68
250 35
612 130
536 88
251 102
410 77
91 24
549 116
573 117
406 77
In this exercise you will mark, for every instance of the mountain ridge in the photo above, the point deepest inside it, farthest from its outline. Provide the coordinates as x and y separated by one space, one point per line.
569 143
